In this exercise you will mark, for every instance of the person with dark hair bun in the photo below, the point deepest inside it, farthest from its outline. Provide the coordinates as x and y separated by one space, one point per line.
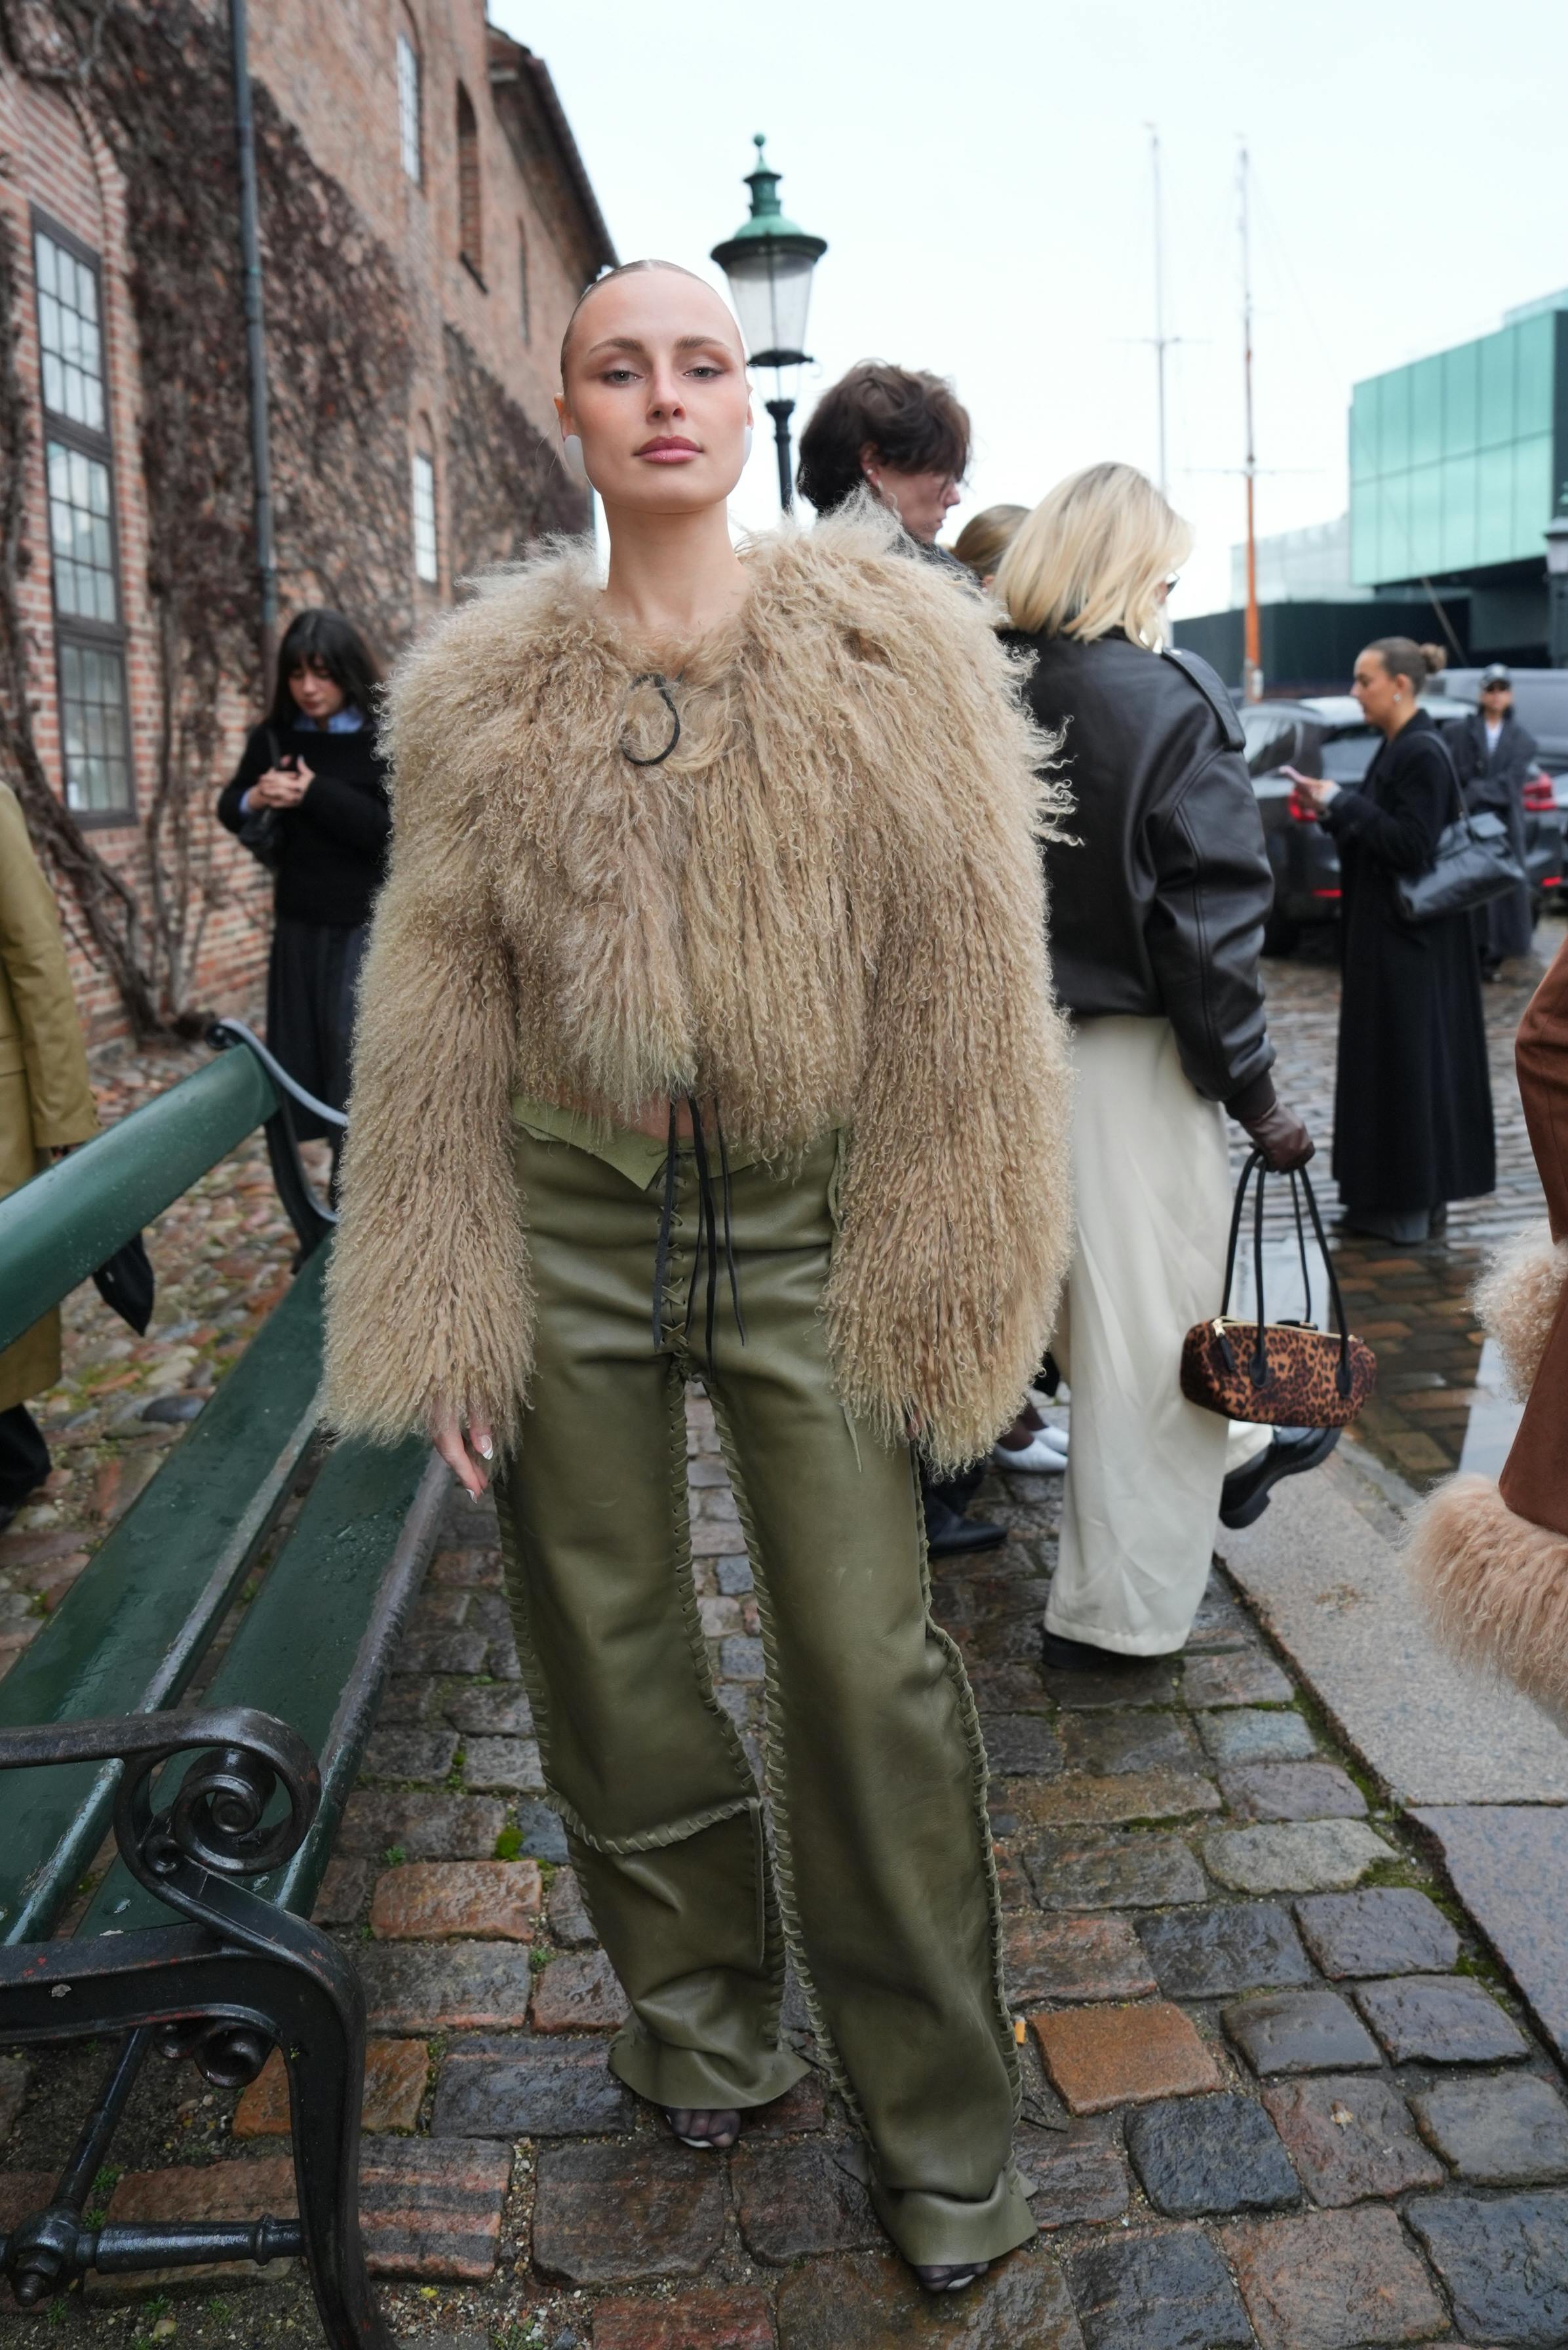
898 432
309 798
1412 1120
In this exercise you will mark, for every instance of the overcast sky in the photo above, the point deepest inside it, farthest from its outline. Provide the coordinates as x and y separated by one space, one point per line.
981 175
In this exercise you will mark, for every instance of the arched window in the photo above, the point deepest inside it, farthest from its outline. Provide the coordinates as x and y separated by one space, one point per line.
427 539
409 127
522 280
470 209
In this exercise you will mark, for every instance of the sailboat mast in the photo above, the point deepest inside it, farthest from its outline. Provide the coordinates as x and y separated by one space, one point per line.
1160 334
1252 657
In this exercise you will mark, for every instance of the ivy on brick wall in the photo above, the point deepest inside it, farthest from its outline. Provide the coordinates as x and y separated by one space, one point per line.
504 488
155 75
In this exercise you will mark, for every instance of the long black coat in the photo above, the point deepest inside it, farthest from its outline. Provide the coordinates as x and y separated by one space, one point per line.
1494 780
1413 1124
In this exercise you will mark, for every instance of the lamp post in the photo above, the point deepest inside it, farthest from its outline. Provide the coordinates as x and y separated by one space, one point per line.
1557 591
768 263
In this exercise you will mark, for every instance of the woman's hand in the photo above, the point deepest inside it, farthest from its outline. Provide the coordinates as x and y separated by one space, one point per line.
468 1461
1282 1137
1311 792
281 788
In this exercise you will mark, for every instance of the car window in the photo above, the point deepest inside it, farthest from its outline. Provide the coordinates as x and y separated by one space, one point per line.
1271 740
1347 756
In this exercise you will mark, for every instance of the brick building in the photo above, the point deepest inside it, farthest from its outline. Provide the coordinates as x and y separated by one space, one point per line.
426 225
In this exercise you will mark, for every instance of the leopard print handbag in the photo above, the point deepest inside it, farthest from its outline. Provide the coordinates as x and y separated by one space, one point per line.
1280 1374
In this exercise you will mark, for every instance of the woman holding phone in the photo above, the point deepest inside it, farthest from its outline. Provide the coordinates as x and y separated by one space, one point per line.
309 798
1412 1114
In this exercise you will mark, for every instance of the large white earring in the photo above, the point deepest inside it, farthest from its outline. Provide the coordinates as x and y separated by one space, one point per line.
746 440
572 457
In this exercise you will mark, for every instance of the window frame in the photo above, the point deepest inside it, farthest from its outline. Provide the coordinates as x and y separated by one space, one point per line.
71 628
404 41
470 178
418 457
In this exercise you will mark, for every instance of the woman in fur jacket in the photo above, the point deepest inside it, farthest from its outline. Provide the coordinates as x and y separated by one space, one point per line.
1491 1560
706 1031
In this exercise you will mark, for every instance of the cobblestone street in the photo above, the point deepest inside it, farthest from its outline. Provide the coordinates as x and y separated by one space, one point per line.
1279 2088
1439 1401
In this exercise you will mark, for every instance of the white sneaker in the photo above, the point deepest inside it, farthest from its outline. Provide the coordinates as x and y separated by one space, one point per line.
1045 1454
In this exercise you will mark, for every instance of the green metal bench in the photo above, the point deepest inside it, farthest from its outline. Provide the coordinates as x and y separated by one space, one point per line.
197 1943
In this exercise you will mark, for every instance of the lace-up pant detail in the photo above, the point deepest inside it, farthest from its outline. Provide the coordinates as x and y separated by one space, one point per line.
882 1880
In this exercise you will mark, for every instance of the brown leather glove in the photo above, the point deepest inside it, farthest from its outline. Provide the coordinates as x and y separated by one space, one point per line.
1282 1137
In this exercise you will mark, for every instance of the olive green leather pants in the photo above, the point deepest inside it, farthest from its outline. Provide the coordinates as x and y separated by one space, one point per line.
882 1881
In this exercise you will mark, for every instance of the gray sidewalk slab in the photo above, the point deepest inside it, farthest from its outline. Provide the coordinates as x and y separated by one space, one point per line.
1322 1570
1509 1866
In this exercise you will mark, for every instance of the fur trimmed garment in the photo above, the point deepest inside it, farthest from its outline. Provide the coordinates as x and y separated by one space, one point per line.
823 907
1495 1585
1517 1299
1490 1561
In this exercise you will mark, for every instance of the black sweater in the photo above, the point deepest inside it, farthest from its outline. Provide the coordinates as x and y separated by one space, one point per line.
332 846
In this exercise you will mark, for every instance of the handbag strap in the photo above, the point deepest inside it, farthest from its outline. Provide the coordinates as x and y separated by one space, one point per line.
1342 1375
1255 1159
1301 1246
1259 1355
1461 813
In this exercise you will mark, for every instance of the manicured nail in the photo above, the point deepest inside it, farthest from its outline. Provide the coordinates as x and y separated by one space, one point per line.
476 1498
485 1450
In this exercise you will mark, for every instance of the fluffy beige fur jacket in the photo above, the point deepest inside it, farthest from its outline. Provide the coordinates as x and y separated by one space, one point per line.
823 908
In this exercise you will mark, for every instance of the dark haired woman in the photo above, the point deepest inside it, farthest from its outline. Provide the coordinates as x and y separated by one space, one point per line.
310 794
902 436
664 1070
1412 1114
897 431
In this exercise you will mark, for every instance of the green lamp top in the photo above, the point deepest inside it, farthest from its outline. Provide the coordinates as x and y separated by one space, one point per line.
767 215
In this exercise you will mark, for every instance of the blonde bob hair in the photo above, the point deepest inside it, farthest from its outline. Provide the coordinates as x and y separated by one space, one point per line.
1093 556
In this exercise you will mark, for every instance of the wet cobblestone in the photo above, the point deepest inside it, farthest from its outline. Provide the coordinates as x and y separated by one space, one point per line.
1440 1402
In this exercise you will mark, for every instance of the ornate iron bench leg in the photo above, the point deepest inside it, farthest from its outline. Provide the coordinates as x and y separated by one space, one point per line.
249 1977
325 2052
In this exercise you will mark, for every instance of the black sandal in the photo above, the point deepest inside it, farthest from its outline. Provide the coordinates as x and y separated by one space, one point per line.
723 2127
949 2276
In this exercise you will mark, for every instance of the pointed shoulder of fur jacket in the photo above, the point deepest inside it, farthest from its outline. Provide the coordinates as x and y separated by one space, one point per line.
857 574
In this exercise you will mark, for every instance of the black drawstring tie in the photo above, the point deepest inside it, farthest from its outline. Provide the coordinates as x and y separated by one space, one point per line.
665 1219
706 1227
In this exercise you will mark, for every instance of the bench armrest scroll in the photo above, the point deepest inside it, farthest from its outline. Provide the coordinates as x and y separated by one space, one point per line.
219 1818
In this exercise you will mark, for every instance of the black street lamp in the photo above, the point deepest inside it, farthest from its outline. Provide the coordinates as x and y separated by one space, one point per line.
768 263
1557 590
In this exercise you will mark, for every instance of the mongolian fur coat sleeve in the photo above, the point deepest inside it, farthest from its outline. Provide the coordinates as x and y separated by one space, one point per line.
956 1207
427 1293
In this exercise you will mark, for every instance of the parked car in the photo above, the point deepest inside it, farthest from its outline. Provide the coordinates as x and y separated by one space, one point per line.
1325 734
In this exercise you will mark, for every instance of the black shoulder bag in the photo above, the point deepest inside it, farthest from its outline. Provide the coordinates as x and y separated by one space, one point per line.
259 828
1474 864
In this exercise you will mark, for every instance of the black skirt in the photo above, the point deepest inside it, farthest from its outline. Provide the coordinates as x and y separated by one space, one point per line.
313 979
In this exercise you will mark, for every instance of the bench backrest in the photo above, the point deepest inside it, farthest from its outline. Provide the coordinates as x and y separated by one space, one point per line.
58 1228
135 1626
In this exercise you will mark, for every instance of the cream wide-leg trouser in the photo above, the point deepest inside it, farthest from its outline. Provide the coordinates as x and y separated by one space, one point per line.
1153 1188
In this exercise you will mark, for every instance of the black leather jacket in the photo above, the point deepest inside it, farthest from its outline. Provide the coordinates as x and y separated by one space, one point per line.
1158 905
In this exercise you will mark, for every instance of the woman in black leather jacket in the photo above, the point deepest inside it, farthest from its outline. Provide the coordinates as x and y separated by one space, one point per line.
1157 912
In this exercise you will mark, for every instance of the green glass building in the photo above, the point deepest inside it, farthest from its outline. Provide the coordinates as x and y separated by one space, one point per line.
1457 464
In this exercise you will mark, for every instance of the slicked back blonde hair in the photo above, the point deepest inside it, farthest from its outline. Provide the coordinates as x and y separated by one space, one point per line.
1094 556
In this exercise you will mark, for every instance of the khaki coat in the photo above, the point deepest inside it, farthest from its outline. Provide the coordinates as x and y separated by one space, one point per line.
45 1100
